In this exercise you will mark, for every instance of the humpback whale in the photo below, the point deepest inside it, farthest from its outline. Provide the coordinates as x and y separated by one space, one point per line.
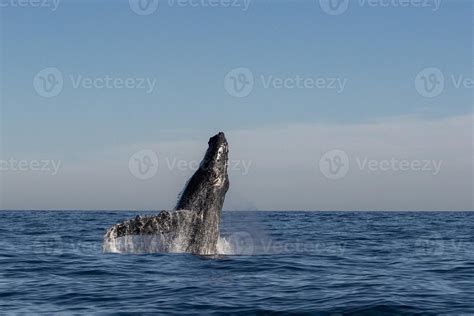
193 225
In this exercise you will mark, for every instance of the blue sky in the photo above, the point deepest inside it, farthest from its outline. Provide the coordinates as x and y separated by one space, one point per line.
188 50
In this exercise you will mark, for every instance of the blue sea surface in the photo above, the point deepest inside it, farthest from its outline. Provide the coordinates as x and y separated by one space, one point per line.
318 263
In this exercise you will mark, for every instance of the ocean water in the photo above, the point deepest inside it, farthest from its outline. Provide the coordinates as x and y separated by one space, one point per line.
318 263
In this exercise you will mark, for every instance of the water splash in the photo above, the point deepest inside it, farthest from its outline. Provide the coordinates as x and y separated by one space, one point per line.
165 232
224 247
170 231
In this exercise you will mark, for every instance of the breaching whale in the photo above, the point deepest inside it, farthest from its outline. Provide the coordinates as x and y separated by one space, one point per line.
193 226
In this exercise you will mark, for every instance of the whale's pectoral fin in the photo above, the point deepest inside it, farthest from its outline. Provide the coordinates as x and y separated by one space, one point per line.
141 225
169 231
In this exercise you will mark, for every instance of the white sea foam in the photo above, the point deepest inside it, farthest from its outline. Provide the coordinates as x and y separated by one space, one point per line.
175 241
224 247
157 244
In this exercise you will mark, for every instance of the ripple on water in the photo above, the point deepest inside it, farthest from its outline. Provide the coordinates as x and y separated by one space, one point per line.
300 262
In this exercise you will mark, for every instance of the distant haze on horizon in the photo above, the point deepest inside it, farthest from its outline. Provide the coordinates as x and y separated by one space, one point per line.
109 105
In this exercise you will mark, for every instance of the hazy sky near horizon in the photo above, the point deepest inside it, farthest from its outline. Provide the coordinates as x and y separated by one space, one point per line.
365 105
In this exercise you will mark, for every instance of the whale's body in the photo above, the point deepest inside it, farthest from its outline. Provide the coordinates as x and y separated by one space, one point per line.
193 226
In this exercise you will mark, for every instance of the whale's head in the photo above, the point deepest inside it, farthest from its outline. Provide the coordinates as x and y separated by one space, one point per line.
214 164
206 189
